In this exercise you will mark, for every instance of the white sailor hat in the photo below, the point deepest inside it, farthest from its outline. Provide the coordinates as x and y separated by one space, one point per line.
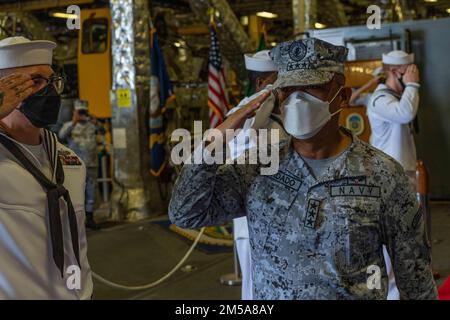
260 61
398 57
20 52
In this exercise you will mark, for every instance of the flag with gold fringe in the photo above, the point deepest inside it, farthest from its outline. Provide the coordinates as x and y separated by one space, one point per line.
161 94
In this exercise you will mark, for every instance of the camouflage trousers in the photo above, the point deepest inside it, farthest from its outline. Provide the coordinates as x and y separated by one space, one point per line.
91 188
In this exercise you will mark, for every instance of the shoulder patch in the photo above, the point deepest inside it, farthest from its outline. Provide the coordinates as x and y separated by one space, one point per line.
68 158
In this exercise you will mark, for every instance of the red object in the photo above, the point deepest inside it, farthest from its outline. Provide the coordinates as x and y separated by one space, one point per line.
444 290
217 97
421 178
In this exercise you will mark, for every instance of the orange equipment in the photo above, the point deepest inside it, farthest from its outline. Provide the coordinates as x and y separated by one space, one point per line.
422 184
94 61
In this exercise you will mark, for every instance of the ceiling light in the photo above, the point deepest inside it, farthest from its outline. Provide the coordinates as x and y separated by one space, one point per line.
64 15
448 10
319 25
265 14
273 44
430 0
244 20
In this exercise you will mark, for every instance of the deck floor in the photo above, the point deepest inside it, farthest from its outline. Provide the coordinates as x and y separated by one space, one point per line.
139 253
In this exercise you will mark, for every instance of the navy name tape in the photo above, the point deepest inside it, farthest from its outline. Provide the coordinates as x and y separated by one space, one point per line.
355 190
287 180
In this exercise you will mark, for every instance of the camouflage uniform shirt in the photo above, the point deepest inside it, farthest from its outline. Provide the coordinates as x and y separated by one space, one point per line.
81 138
317 238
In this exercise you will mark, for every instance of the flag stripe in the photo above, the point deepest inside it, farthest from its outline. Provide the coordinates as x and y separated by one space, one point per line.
216 88
220 79
215 109
217 98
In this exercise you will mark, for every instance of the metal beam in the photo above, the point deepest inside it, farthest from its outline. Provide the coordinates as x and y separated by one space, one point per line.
338 9
304 15
233 38
130 92
38 30
250 7
193 30
39 5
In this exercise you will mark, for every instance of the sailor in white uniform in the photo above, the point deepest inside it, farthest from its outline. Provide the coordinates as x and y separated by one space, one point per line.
391 109
262 73
43 245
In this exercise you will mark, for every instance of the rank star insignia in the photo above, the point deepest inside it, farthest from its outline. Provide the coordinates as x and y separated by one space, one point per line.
311 213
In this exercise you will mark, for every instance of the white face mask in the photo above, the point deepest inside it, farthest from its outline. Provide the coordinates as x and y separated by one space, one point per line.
305 115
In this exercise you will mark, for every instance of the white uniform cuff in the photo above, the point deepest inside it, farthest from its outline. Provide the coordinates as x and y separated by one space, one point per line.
413 84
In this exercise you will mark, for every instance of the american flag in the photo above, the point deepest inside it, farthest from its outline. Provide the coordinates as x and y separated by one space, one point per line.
217 97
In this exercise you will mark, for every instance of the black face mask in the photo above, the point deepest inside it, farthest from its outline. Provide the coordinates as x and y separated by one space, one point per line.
82 112
42 108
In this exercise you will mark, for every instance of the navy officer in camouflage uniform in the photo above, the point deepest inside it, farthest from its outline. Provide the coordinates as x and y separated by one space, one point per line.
317 226
81 136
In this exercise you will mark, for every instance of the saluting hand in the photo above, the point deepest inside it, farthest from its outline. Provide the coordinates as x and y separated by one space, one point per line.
411 74
76 117
238 118
15 88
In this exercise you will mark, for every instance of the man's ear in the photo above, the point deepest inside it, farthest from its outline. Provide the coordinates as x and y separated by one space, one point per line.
258 83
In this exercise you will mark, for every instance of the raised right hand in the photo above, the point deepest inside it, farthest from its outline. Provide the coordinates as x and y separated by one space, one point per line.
75 117
238 118
14 88
411 74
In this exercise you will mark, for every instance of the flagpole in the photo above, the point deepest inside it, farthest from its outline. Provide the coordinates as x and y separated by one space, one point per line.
232 279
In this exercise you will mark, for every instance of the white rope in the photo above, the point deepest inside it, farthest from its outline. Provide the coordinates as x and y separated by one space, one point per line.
157 282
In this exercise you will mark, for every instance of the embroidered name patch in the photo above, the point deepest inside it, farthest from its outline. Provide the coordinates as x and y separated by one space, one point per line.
67 159
311 213
355 190
287 180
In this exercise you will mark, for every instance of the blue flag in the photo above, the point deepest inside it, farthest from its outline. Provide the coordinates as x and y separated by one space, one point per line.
161 94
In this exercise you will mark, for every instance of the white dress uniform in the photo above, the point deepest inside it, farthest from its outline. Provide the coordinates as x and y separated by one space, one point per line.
390 115
29 254
261 62
27 267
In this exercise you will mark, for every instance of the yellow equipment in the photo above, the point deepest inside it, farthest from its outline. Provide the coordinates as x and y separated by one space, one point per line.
94 61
